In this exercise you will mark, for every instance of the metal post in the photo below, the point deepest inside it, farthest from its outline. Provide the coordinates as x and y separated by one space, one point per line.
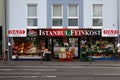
7 25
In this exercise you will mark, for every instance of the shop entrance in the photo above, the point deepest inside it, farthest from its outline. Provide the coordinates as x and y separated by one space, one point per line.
0 42
70 43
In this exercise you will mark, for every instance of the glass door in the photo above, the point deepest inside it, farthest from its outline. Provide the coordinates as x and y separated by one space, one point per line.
57 44
68 43
73 46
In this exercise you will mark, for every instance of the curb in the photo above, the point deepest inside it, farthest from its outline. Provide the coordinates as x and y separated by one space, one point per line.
44 63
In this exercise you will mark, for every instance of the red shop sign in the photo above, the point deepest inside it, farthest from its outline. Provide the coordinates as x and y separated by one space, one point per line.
109 32
16 31
69 32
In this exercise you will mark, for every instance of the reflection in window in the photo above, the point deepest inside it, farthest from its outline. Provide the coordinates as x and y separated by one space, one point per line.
57 22
97 22
73 22
32 22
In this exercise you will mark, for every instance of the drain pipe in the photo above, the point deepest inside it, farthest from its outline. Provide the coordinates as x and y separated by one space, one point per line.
118 28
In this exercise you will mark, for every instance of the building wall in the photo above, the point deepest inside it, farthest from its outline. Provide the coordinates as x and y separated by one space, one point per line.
17 13
1 12
109 13
2 28
64 4
119 12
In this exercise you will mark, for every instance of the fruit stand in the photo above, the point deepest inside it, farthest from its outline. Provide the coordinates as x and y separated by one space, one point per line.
65 55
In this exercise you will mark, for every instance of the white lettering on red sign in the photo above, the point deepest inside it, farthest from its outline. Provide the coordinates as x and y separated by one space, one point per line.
16 32
110 32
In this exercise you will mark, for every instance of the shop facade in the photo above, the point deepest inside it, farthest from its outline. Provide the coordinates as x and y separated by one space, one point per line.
73 16
81 42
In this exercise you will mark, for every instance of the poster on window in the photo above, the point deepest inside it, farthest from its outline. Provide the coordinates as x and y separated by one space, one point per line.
74 51
57 51
73 46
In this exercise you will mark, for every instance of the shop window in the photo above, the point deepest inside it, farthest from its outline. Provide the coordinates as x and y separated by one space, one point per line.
32 15
97 15
25 45
73 15
98 48
25 48
57 15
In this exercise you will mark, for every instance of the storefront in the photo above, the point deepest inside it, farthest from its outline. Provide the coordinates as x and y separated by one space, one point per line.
80 42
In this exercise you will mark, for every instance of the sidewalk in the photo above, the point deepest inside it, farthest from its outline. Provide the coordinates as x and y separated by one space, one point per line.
105 63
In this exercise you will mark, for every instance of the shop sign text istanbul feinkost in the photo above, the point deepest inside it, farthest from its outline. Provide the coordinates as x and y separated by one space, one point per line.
69 32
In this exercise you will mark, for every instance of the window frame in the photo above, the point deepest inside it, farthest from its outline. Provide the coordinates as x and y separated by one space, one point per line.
71 17
97 17
57 17
32 17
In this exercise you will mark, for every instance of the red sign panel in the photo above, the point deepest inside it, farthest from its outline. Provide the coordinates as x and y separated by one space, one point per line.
16 31
110 32
68 32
